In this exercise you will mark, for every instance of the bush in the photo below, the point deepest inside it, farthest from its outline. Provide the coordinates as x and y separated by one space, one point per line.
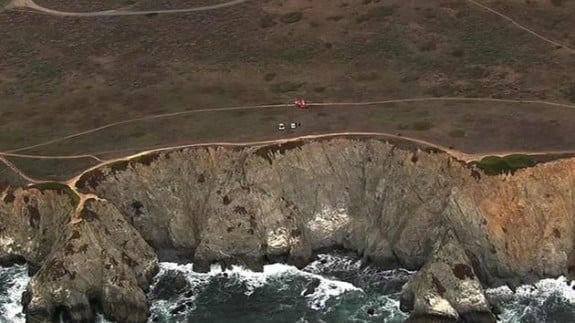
60 189
494 165
267 22
519 161
286 86
570 93
422 125
458 133
291 17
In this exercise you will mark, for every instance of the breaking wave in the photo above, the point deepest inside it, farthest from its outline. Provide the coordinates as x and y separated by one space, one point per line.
333 288
549 301
13 281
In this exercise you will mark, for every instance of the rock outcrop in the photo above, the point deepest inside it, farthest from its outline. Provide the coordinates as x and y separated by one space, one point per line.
250 206
101 263
447 287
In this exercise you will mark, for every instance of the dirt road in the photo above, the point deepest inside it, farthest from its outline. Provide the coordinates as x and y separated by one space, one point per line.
31 5
520 26
27 5
239 108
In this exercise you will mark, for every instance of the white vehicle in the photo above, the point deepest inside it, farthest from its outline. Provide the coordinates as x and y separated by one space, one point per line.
281 127
294 125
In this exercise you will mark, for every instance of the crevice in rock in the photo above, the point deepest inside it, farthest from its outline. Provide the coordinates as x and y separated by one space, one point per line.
361 195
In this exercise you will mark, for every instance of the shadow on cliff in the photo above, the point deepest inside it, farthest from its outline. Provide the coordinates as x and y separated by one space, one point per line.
420 210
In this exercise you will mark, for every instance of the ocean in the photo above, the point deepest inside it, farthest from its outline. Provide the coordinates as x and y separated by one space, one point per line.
334 288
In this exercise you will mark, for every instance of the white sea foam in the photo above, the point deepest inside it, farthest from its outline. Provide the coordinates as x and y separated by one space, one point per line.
328 289
10 307
251 281
101 319
530 299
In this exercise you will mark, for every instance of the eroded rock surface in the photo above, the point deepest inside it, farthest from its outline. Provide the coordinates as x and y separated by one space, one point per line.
260 204
446 286
101 263
245 205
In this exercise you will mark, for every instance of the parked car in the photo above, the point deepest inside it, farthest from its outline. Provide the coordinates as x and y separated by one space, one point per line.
281 127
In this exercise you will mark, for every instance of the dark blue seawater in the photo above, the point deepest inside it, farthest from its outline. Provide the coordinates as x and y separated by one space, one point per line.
344 292
338 289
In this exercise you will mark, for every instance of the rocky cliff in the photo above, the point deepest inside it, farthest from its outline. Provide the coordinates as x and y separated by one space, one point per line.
251 206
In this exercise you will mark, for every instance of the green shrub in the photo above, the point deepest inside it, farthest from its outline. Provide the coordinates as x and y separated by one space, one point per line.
494 165
43 70
422 125
291 17
519 161
570 93
458 133
60 189
267 22
286 86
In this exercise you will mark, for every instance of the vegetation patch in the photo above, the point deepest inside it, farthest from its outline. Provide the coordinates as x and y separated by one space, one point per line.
569 93
60 189
367 77
90 179
43 70
51 169
421 125
286 86
269 77
485 46
267 21
377 13
268 151
457 133
494 165
291 17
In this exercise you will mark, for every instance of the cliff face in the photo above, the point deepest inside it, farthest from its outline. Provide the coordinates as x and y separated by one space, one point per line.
246 205
99 263
255 205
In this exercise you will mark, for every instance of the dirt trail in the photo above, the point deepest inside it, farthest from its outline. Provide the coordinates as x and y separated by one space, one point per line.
520 26
19 172
26 5
84 197
79 156
30 4
325 104
459 155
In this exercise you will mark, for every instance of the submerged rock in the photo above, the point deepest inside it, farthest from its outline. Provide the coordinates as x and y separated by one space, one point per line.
311 287
169 284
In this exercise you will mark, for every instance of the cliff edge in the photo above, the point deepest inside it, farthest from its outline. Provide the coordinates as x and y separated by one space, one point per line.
251 206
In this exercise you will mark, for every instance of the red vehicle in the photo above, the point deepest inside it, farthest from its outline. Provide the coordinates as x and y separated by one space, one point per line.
300 104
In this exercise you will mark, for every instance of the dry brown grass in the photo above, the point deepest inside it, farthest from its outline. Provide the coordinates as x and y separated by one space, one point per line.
63 75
